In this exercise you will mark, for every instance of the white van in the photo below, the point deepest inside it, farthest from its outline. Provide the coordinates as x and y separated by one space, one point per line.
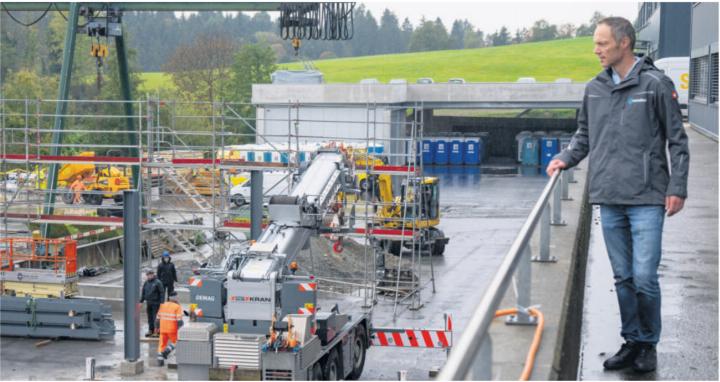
274 183
678 69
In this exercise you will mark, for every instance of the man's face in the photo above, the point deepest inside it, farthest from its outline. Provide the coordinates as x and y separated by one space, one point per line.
150 276
606 48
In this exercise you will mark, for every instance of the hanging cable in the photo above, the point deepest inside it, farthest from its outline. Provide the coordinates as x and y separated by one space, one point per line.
60 12
22 23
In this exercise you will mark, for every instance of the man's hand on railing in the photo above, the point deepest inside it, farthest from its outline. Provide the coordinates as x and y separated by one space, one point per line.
554 165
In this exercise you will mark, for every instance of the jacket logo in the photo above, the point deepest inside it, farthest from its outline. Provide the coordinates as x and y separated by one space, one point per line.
631 100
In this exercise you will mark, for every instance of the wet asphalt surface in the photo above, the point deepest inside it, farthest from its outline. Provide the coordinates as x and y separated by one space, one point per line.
688 347
482 215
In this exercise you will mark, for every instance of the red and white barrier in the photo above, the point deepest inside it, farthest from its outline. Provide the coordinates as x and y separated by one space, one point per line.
412 338
83 235
307 287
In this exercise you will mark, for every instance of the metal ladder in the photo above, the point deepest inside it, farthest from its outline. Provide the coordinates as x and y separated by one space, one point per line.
176 236
187 188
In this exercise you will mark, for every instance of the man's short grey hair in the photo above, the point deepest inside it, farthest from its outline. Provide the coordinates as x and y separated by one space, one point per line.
620 28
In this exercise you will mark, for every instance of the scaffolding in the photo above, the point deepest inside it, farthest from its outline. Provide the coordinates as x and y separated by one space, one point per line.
190 155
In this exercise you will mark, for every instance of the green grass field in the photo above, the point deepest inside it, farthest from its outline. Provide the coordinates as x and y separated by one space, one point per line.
154 81
546 61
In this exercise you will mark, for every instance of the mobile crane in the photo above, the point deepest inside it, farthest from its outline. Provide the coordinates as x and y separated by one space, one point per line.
255 292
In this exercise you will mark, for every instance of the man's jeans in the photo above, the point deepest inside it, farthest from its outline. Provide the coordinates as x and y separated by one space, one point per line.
633 237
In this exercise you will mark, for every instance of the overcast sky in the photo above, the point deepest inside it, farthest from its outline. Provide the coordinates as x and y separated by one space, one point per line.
491 16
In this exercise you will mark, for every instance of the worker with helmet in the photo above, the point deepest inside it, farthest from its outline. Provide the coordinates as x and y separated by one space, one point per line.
169 320
77 187
167 274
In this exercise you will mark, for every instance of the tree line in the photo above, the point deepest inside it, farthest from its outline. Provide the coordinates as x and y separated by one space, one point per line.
156 36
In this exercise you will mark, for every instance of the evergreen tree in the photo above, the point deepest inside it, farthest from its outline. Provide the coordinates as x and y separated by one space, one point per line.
389 35
457 35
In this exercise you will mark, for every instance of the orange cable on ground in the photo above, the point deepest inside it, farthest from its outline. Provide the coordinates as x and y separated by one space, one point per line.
530 359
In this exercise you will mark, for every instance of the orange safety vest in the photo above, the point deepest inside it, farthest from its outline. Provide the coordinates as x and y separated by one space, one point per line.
168 315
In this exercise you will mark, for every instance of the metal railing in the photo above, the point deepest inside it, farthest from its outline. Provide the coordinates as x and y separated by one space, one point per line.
471 358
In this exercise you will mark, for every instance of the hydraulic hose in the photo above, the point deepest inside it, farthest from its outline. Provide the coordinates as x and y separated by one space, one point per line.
530 359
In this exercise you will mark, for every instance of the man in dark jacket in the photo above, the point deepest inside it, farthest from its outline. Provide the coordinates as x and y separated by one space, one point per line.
167 274
630 119
152 293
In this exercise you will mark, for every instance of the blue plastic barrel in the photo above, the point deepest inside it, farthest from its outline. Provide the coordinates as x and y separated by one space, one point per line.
441 151
251 156
284 158
456 152
428 151
471 154
267 156
549 147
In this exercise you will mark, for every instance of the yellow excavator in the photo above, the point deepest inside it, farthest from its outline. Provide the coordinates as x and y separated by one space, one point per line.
103 178
396 212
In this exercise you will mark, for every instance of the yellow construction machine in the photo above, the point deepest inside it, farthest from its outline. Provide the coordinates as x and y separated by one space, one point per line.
398 212
111 181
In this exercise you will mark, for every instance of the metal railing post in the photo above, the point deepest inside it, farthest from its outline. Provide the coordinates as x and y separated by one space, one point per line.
545 238
523 281
564 181
571 175
557 205
482 367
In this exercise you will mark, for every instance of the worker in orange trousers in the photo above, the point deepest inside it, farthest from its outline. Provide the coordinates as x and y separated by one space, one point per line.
77 187
169 320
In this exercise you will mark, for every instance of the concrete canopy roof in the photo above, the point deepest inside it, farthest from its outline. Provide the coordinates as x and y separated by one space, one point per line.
438 95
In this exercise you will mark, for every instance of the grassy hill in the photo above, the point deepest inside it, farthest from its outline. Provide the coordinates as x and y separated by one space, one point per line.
546 61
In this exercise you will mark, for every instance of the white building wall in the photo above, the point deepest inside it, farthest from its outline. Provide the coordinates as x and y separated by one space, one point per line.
317 124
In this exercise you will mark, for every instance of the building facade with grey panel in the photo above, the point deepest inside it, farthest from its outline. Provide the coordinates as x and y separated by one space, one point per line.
663 29
703 95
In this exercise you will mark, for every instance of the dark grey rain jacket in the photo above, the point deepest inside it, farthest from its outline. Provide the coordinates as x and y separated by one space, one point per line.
626 128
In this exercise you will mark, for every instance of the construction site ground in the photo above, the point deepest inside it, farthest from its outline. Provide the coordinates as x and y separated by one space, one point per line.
481 214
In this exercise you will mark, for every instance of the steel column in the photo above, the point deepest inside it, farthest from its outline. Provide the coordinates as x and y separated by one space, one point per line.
131 273
60 109
256 203
124 72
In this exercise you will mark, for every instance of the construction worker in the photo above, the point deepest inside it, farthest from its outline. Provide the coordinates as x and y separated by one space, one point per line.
77 187
169 319
166 273
152 293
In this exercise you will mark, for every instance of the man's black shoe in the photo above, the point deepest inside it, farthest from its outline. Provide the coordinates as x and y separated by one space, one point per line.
646 359
623 358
